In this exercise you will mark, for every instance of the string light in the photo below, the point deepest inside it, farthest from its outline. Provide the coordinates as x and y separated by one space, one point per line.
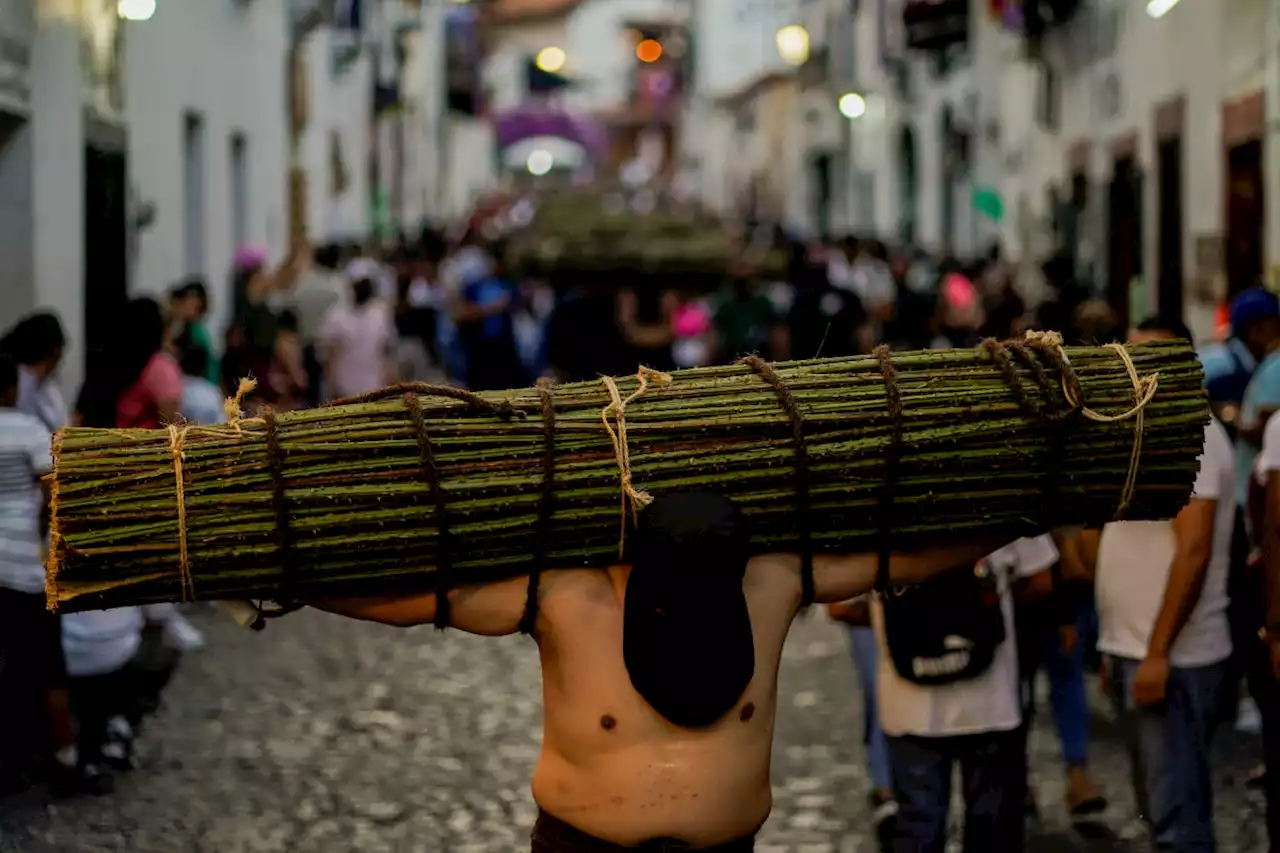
550 59
649 50
136 10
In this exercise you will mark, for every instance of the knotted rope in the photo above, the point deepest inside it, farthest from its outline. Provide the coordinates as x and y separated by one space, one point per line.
800 449
177 442
1144 391
546 507
630 497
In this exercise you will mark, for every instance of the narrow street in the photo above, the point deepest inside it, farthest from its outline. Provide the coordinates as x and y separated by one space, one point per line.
328 736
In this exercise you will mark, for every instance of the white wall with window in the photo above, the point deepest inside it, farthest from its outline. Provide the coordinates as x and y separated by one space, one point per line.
1121 84
335 146
208 122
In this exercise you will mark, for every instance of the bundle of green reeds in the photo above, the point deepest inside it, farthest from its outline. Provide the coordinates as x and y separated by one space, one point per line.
429 487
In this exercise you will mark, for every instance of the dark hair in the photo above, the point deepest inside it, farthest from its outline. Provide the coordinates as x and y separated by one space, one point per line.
328 256
362 290
35 338
1163 323
8 376
140 336
139 328
192 357
287 321
196 288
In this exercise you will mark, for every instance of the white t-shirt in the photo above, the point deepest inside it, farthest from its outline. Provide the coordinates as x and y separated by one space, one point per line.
24 458
1268 458
358 340
1134 558
989 703
98 642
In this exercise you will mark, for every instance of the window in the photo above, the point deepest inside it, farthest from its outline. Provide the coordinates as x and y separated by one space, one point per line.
1049 98
193 194
239 190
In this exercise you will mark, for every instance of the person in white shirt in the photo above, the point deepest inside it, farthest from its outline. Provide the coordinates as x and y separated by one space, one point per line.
1161 589
35 709
962 706
358 340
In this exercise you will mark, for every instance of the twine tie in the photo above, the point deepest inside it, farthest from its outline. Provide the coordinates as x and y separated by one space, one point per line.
630 497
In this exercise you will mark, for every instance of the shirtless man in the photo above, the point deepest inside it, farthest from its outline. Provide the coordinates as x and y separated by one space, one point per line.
660 678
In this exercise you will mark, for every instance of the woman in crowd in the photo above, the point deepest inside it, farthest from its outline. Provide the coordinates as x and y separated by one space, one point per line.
36 345
358 343
188 307
287 378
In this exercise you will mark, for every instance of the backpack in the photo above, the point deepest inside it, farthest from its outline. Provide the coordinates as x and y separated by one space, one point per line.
947 629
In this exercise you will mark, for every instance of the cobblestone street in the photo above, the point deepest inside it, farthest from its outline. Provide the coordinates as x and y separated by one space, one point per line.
329 736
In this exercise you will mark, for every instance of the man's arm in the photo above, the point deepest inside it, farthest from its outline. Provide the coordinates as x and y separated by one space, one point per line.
1193 542
1193 538
1080 555
841 578
490 610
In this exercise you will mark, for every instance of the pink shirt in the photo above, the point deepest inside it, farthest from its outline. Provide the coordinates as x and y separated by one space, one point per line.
139 406
359 341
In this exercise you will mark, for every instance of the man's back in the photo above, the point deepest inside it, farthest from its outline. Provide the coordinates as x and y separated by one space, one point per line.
611 765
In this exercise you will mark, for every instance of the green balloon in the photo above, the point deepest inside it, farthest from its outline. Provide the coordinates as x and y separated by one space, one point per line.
988 202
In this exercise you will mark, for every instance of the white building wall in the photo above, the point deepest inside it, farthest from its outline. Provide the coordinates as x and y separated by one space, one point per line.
505 66
424 104
341 107
600 58
225 62
470 170
736 41
57 128
735 45
1207 52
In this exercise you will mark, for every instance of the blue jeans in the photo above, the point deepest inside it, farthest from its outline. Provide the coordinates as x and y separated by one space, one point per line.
1067 698
993 772
866 661
1169 749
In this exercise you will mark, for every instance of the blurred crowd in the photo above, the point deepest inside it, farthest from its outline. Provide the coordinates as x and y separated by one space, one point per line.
1171 615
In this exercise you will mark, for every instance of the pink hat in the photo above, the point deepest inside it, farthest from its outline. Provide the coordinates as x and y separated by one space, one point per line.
250 258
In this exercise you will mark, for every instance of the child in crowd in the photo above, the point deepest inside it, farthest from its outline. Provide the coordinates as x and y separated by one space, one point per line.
202 401
37 731
118 662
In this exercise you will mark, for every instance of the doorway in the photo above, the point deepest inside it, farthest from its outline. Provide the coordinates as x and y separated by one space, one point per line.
1124 236
908 186
821 167
1169 283
106 260
1244 216
948 183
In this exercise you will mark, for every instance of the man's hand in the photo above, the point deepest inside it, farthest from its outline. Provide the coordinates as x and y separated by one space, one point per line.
1273 646
1151 681
1068 638
855 612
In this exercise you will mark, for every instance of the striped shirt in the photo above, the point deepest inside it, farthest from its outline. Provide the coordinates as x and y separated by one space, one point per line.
24 458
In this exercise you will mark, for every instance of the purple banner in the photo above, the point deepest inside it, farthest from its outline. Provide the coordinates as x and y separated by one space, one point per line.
522 123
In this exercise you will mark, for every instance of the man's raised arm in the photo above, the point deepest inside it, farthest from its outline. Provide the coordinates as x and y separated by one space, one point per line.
841 578
490 610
